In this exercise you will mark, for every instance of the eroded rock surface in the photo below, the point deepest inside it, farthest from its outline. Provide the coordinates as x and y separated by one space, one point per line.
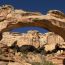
12 44
38 40
11 18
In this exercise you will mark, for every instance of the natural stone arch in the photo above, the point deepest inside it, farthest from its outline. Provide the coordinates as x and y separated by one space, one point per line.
53 21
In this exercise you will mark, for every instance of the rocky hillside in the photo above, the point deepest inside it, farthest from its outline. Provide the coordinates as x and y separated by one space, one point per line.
32 47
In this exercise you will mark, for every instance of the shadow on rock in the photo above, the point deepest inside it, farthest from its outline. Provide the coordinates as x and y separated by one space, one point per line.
63 61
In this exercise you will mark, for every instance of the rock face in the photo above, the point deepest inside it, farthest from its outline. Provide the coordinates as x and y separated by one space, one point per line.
48 40
13 43
12 18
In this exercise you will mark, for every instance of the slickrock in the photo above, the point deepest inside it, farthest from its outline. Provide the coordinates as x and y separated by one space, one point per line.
11 18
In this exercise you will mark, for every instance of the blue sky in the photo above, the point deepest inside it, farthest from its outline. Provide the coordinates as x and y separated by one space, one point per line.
35 5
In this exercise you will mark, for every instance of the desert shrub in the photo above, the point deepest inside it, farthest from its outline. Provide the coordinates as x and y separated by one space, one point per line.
28 48
48 63
36 63
43 63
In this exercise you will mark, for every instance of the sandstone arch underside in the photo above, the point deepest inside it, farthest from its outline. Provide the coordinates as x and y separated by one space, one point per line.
11 18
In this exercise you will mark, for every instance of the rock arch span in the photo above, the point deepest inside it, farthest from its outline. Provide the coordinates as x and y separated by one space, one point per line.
11 18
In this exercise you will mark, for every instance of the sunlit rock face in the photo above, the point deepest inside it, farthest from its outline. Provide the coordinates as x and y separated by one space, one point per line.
54 40
10 18
33 38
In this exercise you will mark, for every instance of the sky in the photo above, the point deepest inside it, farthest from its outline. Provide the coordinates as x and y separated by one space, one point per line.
35 5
